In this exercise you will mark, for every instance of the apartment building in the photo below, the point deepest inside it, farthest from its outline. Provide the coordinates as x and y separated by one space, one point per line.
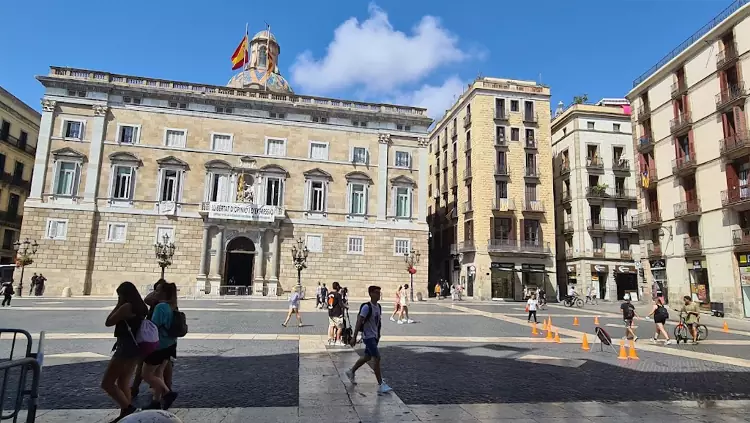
693 151
595 191
490 184
19 128
234 176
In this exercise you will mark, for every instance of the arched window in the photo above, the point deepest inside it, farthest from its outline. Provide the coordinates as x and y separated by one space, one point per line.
262 56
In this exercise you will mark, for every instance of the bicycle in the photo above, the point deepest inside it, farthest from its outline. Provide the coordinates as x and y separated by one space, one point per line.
682 333
570 301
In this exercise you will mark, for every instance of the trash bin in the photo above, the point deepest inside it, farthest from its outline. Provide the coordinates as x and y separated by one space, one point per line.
717 309
419 296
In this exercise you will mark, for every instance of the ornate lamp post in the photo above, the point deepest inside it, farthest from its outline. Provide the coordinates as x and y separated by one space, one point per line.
24 251
299 256
164 252
411 259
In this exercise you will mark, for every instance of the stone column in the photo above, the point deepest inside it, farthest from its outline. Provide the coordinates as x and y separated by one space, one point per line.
273 277
93 168
422 189
384 140
205 247
215 270
258 274
42 151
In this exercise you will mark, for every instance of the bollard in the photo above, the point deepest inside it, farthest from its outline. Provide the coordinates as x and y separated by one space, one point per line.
67 292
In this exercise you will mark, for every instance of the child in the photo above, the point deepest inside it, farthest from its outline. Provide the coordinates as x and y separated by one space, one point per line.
437 290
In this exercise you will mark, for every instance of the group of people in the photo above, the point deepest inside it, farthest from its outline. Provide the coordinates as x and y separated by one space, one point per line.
442 290
136 360
7 290
37 285
660 314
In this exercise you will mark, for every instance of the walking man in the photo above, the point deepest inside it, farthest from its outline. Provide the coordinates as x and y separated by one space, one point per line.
323 295
318 297
34 280
6 289
368 322
335 303
628 315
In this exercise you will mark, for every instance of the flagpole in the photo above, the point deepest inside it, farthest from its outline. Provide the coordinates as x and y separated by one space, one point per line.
247 47
268 55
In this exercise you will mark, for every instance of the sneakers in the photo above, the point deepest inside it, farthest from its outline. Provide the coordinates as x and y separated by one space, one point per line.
384 388
653 340
669 342
339 344
635 339
393 319
350 375
409 321
400 322
168 399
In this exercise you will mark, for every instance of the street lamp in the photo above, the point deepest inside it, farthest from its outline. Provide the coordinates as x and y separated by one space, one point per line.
24 251
299 256
164 252
411 259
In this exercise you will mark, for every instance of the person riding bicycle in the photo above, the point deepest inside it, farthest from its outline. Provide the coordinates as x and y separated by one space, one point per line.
692 309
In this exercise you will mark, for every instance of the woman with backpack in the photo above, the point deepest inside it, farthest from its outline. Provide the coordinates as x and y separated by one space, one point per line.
126 317
661 314
155 362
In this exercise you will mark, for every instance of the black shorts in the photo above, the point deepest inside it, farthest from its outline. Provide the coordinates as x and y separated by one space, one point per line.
160 356
660 320
126 349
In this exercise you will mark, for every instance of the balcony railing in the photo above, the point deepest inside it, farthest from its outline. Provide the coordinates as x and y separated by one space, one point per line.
737 145
536 247
693 245
15 142
602 225
741 238
597 192
503 204
649 179
564 167
735 196
726 57
467 173
502 244
683 165
502 170
678 88
467 120
644 112
594 163
621 165
466 207
501 114
12 220
653 249
530 117
626 254
531 142
531 172
501 141
646 218
15 180
598 252
627 194
625 226
536 206
687 208
645 143
508 245
565 196
681 122
730 95
465 246
568 226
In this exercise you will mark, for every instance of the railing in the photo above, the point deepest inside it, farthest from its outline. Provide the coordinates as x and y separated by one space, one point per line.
502 244
645 142
15 142
625 194
729 95
678 88
13 220
464 246
501 114
509 245
621 165
564 167
531 172
625 254
533 206
502 170
530 117
15 180
735 143
467 173
653 250
535 247
683 163
602 225
26 393
597 192
467 120
466 207
501 141
595 163
565 197
646 218
503 204
682 121
568 226
625 226
599 252
692 244
687 208
736 195
741 237
644 112
530 142
726 56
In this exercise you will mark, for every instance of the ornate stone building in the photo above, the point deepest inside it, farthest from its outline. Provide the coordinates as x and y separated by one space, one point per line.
234 175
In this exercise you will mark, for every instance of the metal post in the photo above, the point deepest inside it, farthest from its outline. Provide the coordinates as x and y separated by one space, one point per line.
411 286
20 284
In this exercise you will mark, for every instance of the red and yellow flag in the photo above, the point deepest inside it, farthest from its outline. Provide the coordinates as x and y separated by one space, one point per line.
239 58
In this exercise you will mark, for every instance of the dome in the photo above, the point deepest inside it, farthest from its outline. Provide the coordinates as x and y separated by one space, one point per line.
259 79
262 35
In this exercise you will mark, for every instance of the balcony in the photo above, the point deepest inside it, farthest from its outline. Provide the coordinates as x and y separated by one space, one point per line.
535 247
501 114
533 206
564 167
653 250
597 193
647 219
501 141
12 220
649 180
727 58
467 120
466 207
684 165
594 164
646 143
736 146
621 165
503 205
737 197
687 209
19 144
568 227
678 89
602 225
531 172
511 246
626 255
681 123
599 252
566 197
625 195
467 174
693 246
644 112
731 96
502 170
741 239
15 180
502 245
626 227
465 246
531 143
530 117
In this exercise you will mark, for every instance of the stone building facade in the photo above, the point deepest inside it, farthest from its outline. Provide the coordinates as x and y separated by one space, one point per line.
233 175
491 208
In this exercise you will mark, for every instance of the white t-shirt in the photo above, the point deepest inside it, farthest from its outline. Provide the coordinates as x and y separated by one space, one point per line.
532 303
403 299
571 291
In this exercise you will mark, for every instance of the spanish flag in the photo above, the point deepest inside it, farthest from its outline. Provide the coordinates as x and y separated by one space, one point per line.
239 58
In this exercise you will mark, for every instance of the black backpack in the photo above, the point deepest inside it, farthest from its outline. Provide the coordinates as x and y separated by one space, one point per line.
179 326
629 312
661 312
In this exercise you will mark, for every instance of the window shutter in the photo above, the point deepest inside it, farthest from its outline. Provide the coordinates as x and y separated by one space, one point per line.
739 121
522 230
349 205
133 174
691 146
307 195
56 186
180 185
325 196
394 200
411 202
282 186
367 197
112 180
160 185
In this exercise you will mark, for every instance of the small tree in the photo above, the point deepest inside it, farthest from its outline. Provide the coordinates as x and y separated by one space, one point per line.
580 99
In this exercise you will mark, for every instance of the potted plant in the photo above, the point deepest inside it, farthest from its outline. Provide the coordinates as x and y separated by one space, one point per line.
599 189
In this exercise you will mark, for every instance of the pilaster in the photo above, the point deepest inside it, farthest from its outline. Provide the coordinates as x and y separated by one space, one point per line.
384 141
422 189
42 150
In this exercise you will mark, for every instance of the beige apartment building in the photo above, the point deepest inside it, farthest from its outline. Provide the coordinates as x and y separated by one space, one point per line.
491 209
595 195
233 175
19 128
693 151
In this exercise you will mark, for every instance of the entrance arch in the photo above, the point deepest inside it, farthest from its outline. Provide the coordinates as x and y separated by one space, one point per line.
238 274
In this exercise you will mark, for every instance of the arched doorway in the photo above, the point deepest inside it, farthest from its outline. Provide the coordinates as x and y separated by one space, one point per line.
238 275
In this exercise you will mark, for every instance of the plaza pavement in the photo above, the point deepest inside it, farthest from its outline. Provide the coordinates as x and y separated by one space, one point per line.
462 362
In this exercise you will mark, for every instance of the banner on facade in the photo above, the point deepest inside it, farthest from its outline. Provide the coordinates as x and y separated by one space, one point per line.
571 268
629 268
599 268
241 211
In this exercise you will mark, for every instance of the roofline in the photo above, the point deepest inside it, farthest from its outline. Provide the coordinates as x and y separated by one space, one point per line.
20 103
574 110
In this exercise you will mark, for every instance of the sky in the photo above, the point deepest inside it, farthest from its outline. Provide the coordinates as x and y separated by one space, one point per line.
419 53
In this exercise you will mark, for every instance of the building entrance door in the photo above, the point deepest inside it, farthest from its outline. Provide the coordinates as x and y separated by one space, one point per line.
238 274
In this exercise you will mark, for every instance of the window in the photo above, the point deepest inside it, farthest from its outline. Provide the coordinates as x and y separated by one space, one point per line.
314 243
317 196
401 246
57 228
73 129
131 100
318 150
616 127
14 200
355 245
320 119
357 199
170 185
275 147
624 244
597 242
123 183
590 125
276 115
403 202
4 130
9 237
515 134
116 232
359 155
402 127
403 159
164 230
530 190
74 93
67 179
502 228
361 124
128 134
177 105
221 142
175 138
22 140
501 189
274 191
221 188
227 110
514 105
531 231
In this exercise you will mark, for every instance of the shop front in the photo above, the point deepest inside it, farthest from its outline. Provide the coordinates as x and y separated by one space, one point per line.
533 277
659 275
503 277
599 274
699 287
743 260
572 278
626 279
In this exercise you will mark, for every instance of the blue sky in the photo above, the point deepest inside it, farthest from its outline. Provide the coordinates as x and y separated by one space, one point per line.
418 52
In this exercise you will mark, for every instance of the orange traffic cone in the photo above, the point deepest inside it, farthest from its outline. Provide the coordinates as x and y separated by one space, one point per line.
596 320
534 331
631 353
549 324
557 336
585 343
726 327
575 321
545 327
549 334
623 354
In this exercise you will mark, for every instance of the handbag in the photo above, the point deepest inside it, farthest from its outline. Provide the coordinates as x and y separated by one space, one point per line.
527 308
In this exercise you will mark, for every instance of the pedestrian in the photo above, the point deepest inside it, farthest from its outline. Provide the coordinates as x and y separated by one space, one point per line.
404 306
588 295
39 287
661 314
318 298
397 304
6 289
368 322
542 298
335 303
531 307
693 311
525 293
323 294
628 315
126 317
438 288
151 300
294 303
155 363
34 280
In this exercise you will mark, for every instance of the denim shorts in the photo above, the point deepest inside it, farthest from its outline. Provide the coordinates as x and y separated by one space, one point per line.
371 347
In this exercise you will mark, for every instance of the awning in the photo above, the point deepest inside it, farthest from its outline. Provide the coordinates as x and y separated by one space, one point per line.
533 268
572 268
629 268
599 268
503 266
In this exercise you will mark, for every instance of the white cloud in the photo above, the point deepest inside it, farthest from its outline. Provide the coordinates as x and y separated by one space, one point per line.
377 59
436 99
